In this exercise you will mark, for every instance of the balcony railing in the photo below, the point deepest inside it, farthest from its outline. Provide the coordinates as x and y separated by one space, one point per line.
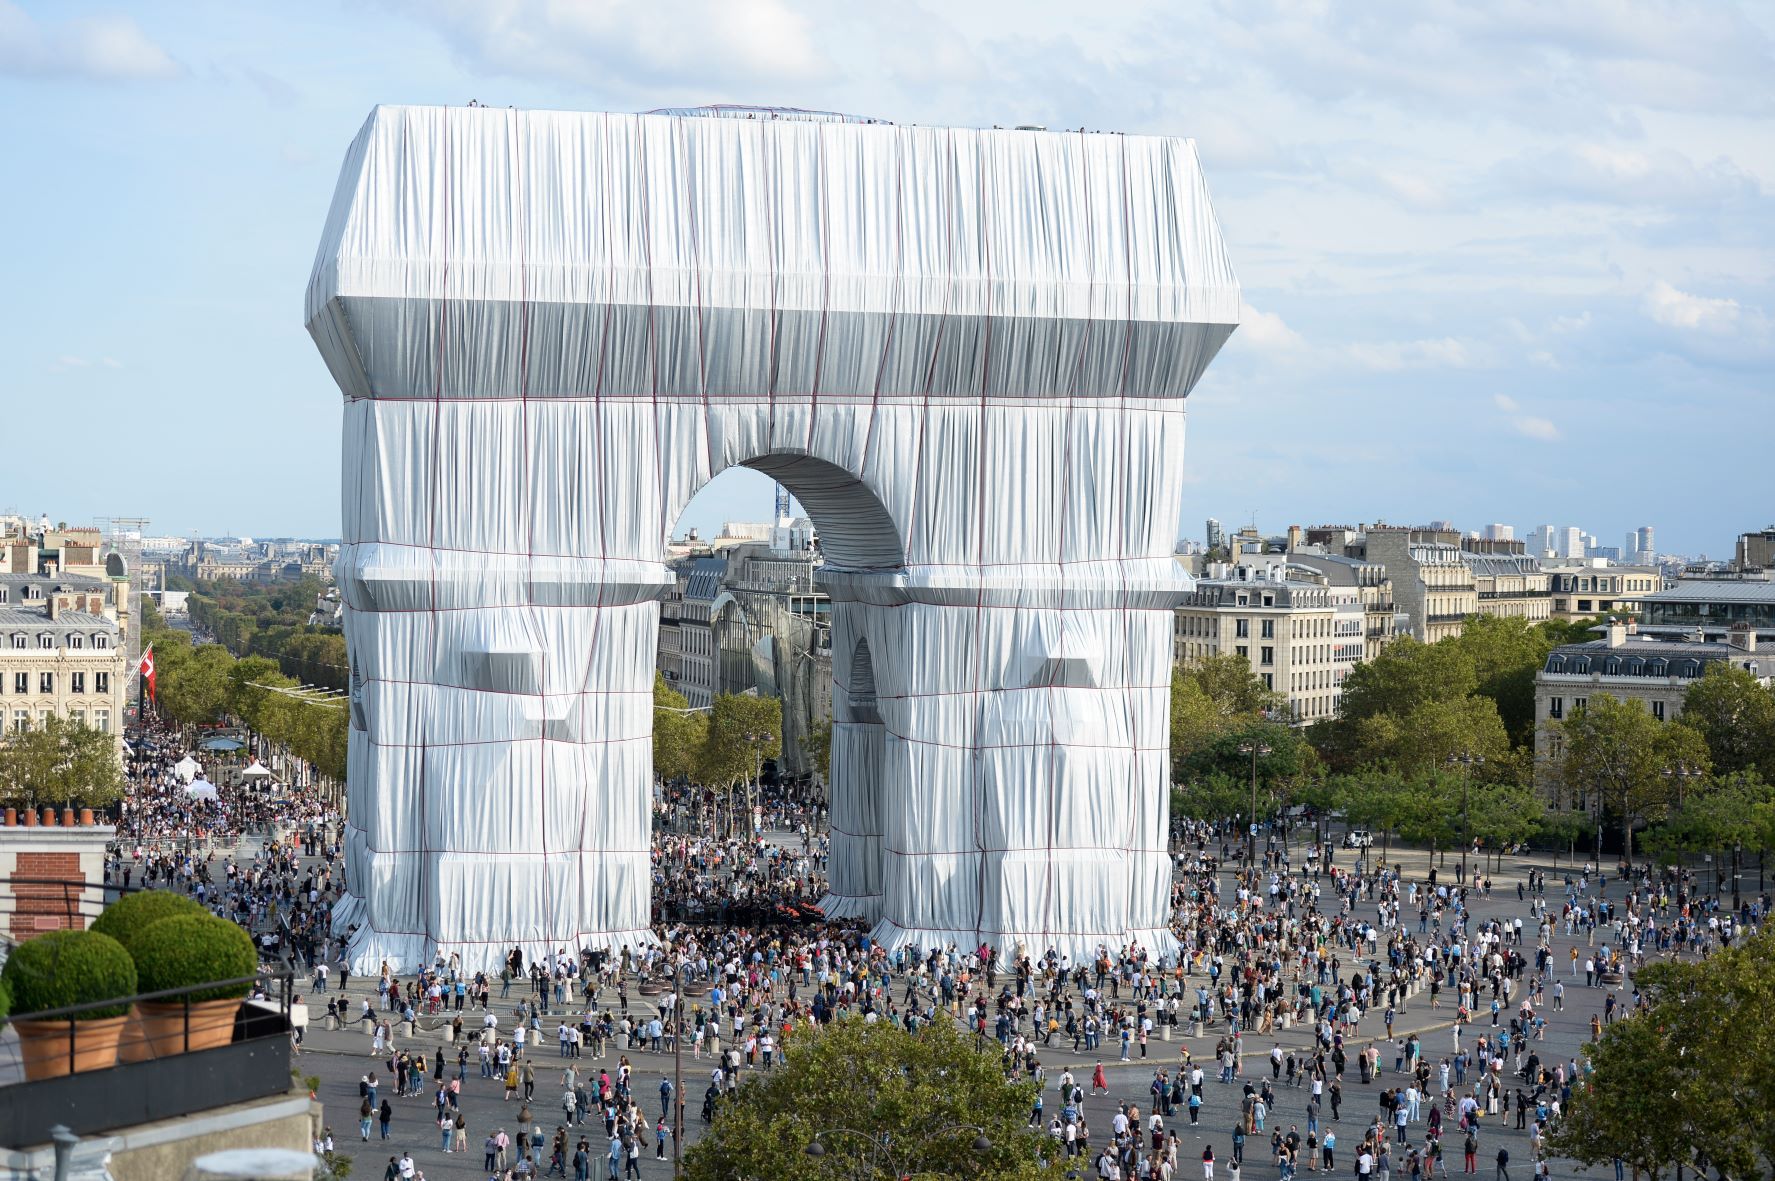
1456 618
253 1065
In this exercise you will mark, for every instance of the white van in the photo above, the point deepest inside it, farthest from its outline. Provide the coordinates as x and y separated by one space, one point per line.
1358 838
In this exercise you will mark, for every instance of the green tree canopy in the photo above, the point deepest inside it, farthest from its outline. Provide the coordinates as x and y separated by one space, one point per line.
1617 753
1210 698
884 1104
1690 1075
61 762
1735 714
678 736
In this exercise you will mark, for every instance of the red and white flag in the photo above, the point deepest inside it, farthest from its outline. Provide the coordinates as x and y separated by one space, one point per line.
146 668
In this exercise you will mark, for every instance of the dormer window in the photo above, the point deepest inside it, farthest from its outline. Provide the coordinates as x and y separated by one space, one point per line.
75 641
46 641
101 640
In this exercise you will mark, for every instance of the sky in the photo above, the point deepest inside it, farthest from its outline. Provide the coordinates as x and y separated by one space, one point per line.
1505 262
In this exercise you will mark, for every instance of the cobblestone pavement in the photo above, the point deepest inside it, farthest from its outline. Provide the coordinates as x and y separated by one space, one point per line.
340 1058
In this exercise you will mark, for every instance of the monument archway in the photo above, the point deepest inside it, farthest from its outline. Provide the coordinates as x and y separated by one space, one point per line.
966 354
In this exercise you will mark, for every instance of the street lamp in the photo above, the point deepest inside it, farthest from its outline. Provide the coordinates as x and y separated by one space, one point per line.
1680 774
1255 750
1466 760
757 741
678 1067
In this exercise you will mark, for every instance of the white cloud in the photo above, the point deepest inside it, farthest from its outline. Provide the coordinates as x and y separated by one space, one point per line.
1679 309
107 48
70 362
1535 428
1529 426
1267 331
1389 355
633 44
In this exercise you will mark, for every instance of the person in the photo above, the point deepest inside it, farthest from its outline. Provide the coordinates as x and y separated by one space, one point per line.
365 1116
1503 1164
1208 1163
384 1116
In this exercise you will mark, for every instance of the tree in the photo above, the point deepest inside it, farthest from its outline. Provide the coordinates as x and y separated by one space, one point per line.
1503 814
1209 698
1506 652
678 736
1618 753
61 762
731 750
1406 675
1689 1076
883 1104
817 743
1290 761
1735 714
1569 631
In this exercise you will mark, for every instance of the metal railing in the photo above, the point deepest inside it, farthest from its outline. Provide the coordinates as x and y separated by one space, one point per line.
256 1019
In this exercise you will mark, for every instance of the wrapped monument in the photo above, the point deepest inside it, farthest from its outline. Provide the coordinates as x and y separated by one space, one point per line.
966 353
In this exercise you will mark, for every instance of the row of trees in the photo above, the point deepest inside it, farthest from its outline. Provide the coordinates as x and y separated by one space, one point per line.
271 619
202 684
721 749
60 762
1434 739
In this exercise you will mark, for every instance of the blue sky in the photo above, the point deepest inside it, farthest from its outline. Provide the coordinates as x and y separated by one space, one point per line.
1504 262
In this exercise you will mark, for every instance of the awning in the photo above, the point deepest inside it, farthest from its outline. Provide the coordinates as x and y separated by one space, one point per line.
256 770
187 769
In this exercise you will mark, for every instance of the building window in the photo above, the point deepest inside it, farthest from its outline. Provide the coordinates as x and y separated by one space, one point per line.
18 640
76 682
46 682
1268 681
101 641
1242 628
101 683
101 720
1658 710
1268 656
77 717
21 720
1244 651
21 682
1269 629
76 641
1578 703
1556 707
46 640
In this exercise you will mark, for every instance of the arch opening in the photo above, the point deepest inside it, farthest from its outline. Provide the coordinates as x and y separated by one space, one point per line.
854 528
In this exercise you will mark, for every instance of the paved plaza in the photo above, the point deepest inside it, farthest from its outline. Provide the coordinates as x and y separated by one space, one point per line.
341 1058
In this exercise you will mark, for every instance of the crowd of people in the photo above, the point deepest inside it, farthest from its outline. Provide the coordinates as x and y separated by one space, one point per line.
744 963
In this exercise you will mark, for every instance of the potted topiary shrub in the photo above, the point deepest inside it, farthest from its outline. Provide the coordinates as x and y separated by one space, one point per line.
184 951
58 970
123 920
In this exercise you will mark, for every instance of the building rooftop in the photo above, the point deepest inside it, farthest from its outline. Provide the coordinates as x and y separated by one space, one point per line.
1711 591
37 617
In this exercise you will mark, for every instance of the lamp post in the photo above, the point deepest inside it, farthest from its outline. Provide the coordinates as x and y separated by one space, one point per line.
678 1068
1680 774
757 741
1256 750
1466 760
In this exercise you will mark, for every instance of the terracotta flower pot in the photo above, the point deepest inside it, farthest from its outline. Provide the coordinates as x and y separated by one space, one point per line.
11 817
164 1030
29 818
67 818
44 1045
86 817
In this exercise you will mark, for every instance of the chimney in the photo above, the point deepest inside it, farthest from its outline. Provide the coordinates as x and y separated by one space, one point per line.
1743 637
55 605
1617 632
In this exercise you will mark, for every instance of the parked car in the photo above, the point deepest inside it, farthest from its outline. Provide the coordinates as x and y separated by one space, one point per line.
1358 838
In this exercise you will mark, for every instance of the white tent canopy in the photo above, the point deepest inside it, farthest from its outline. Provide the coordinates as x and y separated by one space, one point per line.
256 770
187 769
203 789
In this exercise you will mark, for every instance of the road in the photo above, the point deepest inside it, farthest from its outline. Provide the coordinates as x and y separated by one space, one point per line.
339 1059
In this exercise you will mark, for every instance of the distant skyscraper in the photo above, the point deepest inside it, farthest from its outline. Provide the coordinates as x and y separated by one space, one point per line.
1571 542
1540 540
1498 533
1646 548
1216 537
